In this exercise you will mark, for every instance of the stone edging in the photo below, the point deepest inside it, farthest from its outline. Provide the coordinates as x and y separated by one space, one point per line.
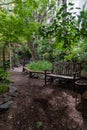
6 99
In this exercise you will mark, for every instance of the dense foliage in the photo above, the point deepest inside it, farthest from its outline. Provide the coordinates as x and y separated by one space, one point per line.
64 35
40 66
52 31
3 74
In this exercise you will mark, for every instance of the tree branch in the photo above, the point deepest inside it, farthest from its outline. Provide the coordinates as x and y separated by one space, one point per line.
7 3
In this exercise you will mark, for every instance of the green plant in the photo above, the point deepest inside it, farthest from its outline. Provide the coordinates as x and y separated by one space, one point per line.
40 66
3 74
3 88
7 64
29 128
39 124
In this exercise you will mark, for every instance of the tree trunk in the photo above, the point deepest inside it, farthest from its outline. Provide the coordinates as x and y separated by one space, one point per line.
14 62
64 19
64 1
3 57
33 51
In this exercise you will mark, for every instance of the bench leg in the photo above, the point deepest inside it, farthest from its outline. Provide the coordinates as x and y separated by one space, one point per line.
45 79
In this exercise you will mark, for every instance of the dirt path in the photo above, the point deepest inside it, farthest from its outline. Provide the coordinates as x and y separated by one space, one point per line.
52 108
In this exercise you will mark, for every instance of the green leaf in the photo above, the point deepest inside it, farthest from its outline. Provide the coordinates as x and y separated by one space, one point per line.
39 124
29 128
71 4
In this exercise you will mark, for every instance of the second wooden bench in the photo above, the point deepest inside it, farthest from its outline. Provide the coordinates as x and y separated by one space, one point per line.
64 70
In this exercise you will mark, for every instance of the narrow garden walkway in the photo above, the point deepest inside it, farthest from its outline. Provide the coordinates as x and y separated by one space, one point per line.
36 106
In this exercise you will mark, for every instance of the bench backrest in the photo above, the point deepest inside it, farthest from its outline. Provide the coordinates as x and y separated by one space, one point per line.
67 68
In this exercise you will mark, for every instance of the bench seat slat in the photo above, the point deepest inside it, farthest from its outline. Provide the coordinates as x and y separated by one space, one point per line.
61 76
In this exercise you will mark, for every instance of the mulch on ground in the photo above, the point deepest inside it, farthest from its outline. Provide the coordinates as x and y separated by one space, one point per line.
41 108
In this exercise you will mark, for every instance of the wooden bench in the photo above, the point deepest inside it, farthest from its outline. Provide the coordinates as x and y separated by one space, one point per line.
65 71
31 72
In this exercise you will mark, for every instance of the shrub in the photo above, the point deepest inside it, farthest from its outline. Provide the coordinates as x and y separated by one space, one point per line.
3 88
7 64
40 66
3 74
